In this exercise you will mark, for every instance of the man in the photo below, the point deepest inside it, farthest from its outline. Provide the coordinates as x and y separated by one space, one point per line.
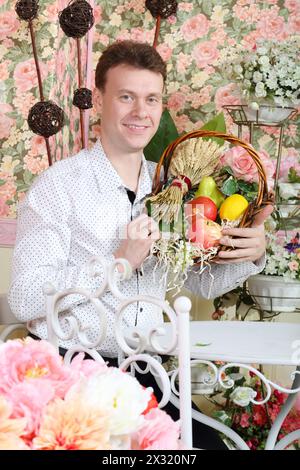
79 207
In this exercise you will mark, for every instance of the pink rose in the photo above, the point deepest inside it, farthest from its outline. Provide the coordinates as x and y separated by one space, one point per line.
195 28
224 96
158 432
9 24
241 163
205 53
5 121
25 75
244 421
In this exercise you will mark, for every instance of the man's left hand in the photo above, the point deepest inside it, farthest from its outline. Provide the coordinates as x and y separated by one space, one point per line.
250 243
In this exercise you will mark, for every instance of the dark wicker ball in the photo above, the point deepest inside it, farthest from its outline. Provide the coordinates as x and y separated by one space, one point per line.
76 19
45 118
27 9
162 8
83 98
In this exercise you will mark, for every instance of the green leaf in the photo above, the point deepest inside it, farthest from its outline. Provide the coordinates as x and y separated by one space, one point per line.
216 124
202 344
165 134
2 182
28 177
230 186
293 176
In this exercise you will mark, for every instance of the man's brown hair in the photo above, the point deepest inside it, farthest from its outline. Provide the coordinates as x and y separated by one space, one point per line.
136 54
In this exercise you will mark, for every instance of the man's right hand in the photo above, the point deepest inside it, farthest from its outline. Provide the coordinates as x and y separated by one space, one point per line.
140 234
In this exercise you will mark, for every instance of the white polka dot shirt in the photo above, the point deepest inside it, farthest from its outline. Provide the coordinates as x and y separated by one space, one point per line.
75 210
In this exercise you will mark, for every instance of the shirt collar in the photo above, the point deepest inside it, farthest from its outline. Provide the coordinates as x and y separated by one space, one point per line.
108 178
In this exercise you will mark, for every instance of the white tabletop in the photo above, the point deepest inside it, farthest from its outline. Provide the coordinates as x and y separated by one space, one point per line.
238 341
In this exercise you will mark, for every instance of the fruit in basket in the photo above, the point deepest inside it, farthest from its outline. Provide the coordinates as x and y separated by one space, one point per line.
201 205
208 187
204 232
233 207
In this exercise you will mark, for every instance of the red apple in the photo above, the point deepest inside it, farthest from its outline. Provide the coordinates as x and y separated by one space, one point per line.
202 205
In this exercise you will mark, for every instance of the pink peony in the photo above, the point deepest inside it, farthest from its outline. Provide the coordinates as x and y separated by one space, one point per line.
158 432
272 26
87 367
10 429
195 28
34 362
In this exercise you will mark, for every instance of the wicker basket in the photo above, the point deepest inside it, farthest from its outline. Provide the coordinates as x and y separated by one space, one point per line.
263 197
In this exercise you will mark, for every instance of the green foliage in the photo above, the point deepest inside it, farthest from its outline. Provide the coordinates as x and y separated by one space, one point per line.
216 124
293 176
165 134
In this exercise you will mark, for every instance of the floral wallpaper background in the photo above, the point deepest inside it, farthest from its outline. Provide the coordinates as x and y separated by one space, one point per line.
190 43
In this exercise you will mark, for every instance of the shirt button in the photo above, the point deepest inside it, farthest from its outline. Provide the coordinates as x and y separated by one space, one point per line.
141 309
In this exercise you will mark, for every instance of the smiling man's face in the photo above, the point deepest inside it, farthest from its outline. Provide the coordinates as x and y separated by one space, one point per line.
130 107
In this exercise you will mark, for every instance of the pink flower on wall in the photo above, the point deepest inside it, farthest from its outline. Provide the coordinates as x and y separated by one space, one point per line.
4 208
23 103
205 53
272 26
8 189
292 5
4 74
9 24
183 62
165 51
35 164
224 96
195 28
176 101
294 23
6 122
25 75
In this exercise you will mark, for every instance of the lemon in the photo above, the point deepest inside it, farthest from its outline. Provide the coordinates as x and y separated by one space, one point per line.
233 207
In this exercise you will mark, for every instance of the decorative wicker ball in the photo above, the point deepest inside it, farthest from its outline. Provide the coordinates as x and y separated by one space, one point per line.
162 8
76 19
83 98
45 118
27 9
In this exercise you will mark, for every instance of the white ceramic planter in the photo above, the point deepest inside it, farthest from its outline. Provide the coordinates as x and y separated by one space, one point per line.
274 293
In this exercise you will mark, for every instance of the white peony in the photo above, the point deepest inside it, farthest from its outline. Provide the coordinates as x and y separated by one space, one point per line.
120 395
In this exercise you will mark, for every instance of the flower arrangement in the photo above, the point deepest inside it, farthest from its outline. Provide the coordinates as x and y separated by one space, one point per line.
283 257
270 71
251 421
46 405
